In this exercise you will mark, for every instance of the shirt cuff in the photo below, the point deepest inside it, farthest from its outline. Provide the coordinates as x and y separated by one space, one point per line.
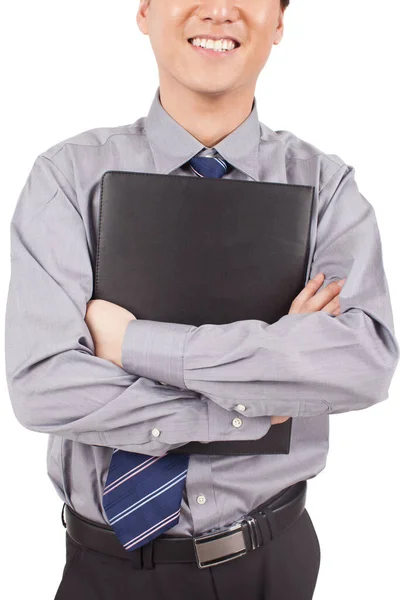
154 349
233 425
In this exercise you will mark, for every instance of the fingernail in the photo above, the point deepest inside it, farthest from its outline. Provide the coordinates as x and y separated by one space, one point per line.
341 282
319 276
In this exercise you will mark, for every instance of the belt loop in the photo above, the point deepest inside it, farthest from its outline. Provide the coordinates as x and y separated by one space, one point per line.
268 512
147 555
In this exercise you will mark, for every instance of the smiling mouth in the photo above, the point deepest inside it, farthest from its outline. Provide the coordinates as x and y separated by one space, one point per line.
211 51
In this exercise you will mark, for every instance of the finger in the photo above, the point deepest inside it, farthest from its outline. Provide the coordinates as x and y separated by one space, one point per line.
322 297
277 420
313 302
332 305
307 292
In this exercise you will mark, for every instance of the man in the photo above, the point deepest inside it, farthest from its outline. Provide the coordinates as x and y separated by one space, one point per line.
108 387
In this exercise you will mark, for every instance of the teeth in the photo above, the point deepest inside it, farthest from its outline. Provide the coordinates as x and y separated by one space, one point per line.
217 45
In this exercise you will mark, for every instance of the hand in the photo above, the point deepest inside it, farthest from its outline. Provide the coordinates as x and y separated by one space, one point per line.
327 300
277 420
107 323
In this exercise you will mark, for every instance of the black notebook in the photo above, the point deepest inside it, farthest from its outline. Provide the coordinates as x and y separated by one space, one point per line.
193 250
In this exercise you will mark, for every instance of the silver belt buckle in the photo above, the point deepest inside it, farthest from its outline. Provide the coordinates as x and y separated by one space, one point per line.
225 544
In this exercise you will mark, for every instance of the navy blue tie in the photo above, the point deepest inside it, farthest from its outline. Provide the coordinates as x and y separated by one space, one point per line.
142 495
211 165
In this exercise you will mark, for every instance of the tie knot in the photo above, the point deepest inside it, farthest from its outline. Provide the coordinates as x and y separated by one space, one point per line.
211 164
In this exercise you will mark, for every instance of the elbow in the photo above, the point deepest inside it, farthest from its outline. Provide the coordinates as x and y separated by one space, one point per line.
365 381
384 379
21 377
366 393
375 387
384 362
36 414
34 401
377 364
378 390
44 394
25 408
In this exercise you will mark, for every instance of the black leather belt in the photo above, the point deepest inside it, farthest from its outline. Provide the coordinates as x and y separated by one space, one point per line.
208 549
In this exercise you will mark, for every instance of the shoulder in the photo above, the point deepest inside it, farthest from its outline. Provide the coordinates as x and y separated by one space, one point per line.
95 137
304 157
77 159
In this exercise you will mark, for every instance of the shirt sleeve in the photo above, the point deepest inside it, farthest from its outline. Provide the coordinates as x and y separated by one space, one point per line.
56 382
303 364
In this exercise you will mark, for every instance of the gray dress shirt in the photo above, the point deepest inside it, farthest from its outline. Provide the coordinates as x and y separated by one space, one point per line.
180 382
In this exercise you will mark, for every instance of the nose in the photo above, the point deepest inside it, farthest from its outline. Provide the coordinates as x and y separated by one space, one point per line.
218 11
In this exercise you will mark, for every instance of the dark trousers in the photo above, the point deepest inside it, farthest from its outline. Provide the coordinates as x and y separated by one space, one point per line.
286 568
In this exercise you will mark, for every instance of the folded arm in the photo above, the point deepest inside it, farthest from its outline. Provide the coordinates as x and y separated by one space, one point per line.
56 382
303 364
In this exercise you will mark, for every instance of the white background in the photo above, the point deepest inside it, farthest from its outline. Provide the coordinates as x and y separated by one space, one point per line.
71 66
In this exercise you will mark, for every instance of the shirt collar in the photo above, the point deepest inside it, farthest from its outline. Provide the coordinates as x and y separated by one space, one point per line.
172 145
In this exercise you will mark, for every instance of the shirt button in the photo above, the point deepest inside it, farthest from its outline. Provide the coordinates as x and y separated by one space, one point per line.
240 407
201 499
156 432
237 422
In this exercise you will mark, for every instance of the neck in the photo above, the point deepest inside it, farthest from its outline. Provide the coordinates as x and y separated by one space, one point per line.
207 117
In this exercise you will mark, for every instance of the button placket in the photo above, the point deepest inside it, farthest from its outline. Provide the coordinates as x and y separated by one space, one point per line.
200 498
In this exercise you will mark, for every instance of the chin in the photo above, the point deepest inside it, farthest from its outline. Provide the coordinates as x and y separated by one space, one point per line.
211 88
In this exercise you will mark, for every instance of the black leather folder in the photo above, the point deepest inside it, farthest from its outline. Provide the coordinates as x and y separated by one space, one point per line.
193 250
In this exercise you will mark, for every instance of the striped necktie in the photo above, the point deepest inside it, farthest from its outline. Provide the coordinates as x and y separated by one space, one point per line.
142 495
209 165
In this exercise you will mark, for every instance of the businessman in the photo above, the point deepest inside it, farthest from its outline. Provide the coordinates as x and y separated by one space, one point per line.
116 393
